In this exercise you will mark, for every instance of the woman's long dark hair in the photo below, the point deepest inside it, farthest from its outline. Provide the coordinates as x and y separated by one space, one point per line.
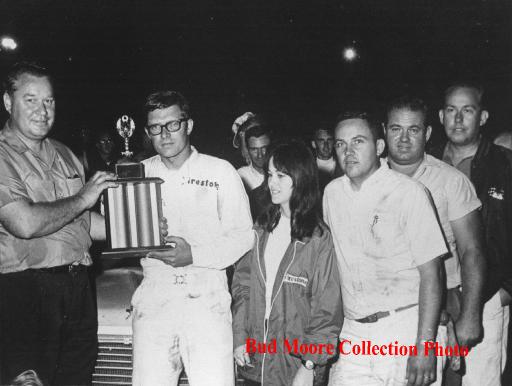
296 160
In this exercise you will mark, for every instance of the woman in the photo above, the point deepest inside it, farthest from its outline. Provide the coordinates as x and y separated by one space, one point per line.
286 290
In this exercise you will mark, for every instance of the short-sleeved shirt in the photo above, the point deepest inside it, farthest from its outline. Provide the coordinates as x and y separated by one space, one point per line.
382 233
25 176
454 197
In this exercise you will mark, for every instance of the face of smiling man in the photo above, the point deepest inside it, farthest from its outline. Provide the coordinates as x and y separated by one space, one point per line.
32 107
462 116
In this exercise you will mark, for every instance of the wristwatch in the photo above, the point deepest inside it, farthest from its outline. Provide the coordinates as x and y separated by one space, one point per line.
309 365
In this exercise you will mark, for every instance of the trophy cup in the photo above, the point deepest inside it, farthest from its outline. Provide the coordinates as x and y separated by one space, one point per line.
132 209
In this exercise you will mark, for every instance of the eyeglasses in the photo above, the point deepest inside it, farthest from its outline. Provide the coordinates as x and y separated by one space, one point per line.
171 127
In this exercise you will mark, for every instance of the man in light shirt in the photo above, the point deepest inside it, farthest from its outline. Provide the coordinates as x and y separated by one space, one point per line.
390 248
457 206
257 139
182 315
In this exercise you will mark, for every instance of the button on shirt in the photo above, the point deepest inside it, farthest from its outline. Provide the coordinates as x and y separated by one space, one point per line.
454 197
25 176
382 233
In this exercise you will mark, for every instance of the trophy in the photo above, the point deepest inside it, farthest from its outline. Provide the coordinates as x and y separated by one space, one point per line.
132 209
125 127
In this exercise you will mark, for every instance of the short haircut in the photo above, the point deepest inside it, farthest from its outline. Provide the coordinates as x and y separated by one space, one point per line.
315 133
163 99
477 87
19 69
257 131
410 103
373 124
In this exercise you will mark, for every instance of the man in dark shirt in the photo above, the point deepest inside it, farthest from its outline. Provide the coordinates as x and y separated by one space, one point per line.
489 167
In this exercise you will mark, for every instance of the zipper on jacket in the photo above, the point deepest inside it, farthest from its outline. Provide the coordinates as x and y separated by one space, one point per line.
266 321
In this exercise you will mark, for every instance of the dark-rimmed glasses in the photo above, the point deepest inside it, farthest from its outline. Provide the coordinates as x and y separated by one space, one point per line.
171 127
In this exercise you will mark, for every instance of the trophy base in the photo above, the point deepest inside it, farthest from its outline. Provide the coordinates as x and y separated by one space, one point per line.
140 252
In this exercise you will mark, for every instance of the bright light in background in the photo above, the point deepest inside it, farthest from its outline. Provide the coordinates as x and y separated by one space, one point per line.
8 43
349 54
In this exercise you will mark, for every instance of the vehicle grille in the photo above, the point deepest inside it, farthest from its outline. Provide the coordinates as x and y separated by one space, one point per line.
114 363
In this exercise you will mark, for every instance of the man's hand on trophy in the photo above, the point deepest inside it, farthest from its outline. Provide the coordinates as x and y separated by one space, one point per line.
91 191
178 256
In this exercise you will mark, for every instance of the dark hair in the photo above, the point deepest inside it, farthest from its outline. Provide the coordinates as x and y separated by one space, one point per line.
163 99
410 103
296 160
317 130
257 131
477 87
19 69
373 125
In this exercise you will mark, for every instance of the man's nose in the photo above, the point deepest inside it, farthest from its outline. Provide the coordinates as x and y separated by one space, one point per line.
458 116
404 136
41 109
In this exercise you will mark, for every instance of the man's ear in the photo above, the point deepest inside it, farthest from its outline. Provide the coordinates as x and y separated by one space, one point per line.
7 102
381 145
313 144
147 133
441 116
428 133
190 126
383 128
484 116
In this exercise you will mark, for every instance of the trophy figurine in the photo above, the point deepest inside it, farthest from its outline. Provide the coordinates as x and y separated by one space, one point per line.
132 209
125 127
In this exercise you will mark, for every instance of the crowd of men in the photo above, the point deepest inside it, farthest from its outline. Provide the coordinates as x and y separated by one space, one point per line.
423 242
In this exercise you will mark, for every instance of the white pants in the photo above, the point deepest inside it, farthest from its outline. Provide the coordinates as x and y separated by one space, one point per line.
175 328
379 369
486 361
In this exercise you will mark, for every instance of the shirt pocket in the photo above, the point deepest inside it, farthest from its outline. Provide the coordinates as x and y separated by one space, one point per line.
385 239
74 185
40 190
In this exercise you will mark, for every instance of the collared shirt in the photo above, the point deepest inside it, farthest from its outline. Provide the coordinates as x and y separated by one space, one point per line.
382 233
25 176
454 197
205 203
250 177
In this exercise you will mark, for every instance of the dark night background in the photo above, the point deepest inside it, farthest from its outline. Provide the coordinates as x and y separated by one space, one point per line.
279 58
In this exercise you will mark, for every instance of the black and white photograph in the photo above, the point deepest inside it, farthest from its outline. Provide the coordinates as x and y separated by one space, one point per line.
255 193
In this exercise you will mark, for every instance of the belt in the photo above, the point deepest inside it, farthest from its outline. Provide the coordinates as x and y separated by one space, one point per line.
383 314
70 268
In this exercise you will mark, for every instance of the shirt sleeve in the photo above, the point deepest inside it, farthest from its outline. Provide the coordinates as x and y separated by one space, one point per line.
236 226
462 198
12 187
422 229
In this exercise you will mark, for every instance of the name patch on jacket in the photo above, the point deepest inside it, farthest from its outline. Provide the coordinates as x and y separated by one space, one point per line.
303 281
